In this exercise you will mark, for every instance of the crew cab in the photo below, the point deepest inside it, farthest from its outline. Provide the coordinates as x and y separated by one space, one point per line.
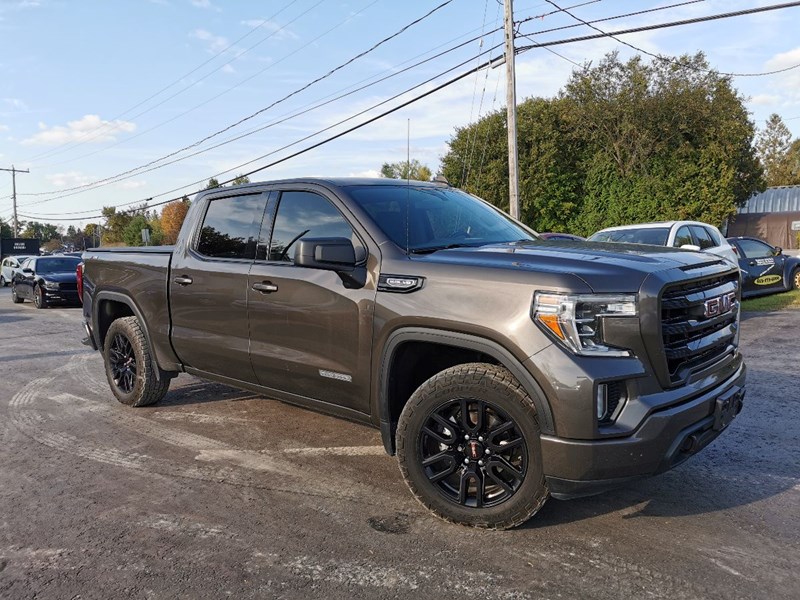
501 368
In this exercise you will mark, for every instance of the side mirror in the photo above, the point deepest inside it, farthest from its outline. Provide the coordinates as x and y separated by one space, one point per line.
778 251
27 270
328 254
691 247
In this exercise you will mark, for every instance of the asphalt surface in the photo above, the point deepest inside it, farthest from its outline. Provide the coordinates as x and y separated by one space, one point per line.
219 493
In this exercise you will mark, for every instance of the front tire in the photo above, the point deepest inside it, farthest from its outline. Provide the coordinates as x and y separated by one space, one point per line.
130 370
795 281
3 282
468 447
39 301
14 296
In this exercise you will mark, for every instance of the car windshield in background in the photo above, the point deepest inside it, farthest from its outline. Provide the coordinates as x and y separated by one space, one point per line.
426 219
56 265
656 236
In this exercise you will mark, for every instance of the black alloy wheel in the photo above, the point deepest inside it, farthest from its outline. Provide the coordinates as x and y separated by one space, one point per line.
122 361
473 452
39 300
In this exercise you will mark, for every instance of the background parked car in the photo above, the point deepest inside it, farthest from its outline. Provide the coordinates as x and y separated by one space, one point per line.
46 280
8 267
689 235
765 269
562 236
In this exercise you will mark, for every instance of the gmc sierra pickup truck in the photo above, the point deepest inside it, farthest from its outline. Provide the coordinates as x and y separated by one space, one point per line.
501 368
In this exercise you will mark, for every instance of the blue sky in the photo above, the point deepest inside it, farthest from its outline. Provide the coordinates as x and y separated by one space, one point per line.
91 89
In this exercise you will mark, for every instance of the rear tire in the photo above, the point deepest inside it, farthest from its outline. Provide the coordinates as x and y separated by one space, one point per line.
130 370
469 449
14 297
795 281
3 282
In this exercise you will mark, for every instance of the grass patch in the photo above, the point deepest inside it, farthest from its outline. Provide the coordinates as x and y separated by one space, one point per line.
773 302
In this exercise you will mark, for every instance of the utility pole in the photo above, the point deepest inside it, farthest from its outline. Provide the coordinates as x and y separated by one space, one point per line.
14 172
511 101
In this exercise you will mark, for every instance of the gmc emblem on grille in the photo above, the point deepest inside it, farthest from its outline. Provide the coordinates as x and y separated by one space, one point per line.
719 305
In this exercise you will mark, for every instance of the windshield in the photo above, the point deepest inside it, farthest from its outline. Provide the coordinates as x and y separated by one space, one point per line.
656 236
425 219
56 265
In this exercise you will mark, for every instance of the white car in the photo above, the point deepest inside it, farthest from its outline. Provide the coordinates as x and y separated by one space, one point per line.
688 235
8 267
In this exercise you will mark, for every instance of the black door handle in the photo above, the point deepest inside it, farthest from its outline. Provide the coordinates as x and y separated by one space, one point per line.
183 280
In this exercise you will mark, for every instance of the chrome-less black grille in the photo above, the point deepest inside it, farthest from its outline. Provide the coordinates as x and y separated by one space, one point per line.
68 287
698 323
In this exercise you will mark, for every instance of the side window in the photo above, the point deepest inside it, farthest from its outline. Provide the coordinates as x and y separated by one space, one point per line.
703 238
715 237
304 214
755 249
683 237
228 229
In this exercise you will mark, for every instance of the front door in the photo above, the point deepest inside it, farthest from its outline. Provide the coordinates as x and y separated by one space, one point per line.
208 287
310 333
762 271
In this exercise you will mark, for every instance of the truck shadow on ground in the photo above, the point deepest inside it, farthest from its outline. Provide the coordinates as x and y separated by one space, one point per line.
201 392
11 316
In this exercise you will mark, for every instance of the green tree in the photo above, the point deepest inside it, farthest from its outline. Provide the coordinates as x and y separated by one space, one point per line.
403 170
773 143
240 180
5 230
42 231
212 184
132 233
623 142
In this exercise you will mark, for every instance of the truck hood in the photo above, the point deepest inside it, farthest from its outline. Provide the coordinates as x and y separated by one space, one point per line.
604 267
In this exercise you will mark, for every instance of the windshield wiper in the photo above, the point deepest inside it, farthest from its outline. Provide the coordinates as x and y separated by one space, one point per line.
430 249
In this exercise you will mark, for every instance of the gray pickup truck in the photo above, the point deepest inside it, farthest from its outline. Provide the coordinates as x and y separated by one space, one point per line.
501 368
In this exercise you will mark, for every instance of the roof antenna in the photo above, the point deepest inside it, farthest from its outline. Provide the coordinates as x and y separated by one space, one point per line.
408 186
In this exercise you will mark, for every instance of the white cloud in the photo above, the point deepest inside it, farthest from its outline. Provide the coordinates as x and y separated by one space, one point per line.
206 4
279 32
3 127
89 128
15 103
764 99
69 179
216 43
228 69
132 184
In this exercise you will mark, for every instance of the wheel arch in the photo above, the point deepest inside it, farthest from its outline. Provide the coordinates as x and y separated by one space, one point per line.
109 306
390 402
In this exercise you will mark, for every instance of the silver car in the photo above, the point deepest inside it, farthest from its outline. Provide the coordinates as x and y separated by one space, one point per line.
8 267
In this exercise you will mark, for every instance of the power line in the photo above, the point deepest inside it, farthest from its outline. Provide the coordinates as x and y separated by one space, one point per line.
437 88
665 58
258 73
85 138
268 125
258 112
682 22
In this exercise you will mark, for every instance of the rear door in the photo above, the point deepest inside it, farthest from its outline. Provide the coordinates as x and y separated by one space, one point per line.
311 334
762 271
208 286
24 281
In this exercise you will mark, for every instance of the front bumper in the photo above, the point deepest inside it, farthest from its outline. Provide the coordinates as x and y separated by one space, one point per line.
61 296
666 438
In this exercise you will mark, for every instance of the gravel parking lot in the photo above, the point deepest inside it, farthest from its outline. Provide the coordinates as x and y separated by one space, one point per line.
216 492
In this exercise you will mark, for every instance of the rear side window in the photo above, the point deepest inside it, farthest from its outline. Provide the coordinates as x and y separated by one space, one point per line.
704 239
228 229
683 237
304 214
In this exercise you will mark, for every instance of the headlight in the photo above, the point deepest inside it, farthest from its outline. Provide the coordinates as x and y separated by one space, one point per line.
576 319
51 285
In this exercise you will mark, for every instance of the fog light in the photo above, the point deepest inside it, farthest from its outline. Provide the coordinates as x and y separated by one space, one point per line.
602 401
